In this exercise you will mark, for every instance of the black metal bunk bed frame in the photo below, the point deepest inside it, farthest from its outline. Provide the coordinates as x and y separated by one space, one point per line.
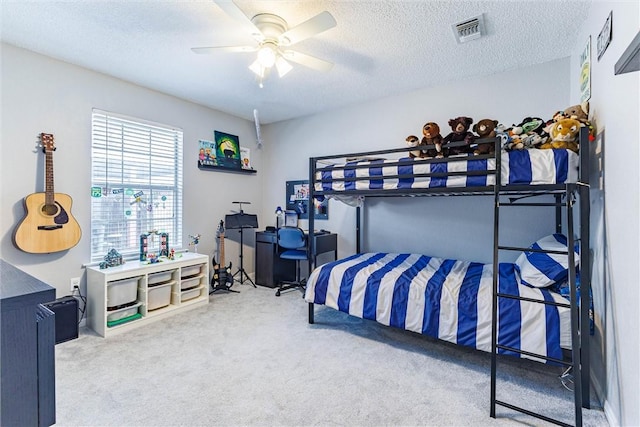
516 196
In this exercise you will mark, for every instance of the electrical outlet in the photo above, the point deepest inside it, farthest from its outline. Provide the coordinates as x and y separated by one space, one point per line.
75 281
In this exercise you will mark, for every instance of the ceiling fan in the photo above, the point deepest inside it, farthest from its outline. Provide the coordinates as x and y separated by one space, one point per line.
274 37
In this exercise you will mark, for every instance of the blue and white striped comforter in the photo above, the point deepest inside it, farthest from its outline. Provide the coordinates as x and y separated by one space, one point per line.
525 167
446 299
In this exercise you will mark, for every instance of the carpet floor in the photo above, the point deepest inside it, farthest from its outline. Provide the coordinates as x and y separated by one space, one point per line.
252 359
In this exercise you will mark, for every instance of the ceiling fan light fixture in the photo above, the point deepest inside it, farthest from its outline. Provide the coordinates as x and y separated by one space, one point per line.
267 55
282 66
257 68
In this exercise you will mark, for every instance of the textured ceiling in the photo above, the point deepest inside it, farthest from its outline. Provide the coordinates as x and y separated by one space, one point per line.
379 47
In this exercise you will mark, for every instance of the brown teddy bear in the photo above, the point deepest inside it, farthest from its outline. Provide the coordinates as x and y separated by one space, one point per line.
460 132
485 128
431 132
564 134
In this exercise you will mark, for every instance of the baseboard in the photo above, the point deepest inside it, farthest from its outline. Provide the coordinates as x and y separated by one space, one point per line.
609 415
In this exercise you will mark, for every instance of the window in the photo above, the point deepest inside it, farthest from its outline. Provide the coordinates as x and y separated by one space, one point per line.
136 184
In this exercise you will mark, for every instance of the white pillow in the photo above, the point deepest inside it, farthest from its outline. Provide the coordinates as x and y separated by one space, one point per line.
543 269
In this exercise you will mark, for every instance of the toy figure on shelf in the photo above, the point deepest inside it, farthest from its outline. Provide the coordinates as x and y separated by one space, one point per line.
111 259
164 244
194 242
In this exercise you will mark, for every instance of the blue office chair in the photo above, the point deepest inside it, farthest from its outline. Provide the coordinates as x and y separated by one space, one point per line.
294 243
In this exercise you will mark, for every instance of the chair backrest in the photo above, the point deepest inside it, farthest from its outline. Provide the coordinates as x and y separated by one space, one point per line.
291 238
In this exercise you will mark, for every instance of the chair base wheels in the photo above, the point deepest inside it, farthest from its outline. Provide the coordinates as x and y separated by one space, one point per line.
286 286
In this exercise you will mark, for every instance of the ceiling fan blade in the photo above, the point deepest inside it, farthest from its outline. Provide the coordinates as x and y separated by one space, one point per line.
309 28
231 9
214 49
308 60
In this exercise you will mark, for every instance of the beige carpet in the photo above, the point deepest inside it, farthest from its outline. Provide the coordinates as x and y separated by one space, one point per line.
252 359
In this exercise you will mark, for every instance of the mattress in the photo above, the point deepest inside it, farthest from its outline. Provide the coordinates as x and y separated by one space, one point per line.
522 167
445 299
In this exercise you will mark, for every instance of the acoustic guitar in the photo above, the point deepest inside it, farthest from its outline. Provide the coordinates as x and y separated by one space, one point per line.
222 278
48 225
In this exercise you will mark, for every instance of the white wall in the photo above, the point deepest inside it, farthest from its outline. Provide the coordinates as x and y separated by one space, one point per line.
40 94
448 222
615 110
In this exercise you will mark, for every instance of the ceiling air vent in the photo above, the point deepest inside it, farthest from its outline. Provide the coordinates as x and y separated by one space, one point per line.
469 29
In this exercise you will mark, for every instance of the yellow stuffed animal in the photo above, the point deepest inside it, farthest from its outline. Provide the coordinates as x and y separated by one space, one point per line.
564 134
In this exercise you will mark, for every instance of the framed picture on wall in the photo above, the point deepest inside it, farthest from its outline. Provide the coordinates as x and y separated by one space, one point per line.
298 201
227 150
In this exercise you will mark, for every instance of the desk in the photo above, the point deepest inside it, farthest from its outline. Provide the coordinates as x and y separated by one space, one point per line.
271 269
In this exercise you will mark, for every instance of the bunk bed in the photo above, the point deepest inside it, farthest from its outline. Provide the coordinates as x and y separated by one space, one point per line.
518 309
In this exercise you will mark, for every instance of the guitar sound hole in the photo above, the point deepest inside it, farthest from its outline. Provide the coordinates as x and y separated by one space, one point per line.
50 210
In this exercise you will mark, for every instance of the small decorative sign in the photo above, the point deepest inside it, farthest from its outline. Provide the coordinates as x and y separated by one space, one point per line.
585 72
604 38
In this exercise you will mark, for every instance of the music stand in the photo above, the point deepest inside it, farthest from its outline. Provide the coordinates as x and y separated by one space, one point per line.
240 221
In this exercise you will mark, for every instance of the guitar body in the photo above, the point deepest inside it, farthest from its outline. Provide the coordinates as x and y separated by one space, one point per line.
222 277
46 227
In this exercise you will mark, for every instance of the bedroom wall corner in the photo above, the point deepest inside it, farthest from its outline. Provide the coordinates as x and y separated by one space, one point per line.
615 111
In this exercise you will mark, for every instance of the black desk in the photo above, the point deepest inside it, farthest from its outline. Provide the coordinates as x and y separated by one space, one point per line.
271 269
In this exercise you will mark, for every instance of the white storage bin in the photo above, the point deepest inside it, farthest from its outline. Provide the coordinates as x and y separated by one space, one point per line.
122 313
189 283
120 292
190 271
190 294
162 276
159 296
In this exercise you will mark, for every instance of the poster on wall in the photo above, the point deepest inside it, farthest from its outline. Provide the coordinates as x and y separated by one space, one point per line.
585 72
207 153
245 157
298 201
227 150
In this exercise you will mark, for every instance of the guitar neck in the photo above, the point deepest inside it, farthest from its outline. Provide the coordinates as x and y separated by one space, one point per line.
49 193
222 250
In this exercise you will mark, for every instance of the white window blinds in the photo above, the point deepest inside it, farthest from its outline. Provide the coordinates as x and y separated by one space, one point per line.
136 184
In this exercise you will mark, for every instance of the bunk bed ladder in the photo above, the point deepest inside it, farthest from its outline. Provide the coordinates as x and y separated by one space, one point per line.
576 335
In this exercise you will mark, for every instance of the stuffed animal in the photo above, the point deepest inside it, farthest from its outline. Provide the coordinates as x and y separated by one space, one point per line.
431 132
564 134
533 132
503 133
460 132
580 112
529 133
413 141
485 128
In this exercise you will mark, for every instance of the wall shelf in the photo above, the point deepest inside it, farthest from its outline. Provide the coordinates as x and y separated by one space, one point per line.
630 59
225 169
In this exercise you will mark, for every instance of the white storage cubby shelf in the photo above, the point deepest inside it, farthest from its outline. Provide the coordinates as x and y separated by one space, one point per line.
144 292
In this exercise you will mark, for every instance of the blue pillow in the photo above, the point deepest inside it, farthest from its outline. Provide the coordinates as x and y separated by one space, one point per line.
539 269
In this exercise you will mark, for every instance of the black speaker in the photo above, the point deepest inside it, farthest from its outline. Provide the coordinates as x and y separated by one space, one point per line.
66 311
